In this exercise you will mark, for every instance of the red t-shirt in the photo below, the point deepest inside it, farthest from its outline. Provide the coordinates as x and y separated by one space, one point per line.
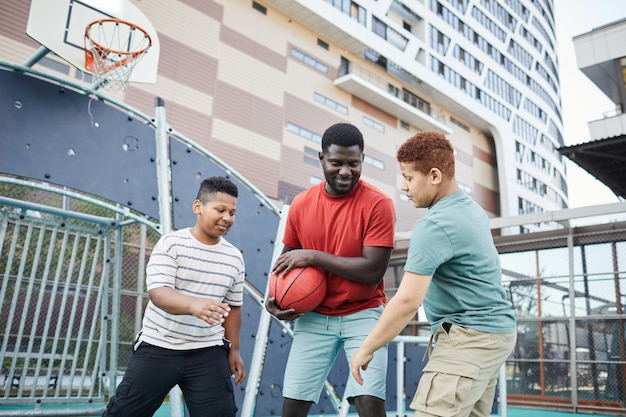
343 225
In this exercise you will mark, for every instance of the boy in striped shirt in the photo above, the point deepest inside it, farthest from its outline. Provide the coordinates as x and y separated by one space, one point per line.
190 332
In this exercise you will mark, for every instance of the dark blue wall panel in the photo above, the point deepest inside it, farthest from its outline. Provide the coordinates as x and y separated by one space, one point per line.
57 135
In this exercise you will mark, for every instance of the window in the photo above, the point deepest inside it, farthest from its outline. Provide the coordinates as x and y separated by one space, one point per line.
258 7
350 8
315 180
304 133
414 101
310 61
330 103
311 157
311 161
459 124
373 124
344 66
379 27
393 90
377 163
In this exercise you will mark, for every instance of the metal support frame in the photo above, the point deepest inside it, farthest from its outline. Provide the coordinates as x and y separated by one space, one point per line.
37 56
164 183
263 331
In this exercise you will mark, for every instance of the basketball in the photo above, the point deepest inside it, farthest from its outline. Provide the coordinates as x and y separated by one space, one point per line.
302 289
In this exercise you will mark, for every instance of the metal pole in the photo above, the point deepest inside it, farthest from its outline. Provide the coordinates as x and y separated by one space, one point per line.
542 383
262 334
116 294
165 207
141 270
590 333
36 56
502 390
163 167
400 390
572 321
621 374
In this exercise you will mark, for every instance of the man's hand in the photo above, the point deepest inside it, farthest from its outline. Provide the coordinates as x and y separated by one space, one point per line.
294 258
359 360
274 310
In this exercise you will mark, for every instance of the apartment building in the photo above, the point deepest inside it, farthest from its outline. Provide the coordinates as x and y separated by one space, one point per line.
257 82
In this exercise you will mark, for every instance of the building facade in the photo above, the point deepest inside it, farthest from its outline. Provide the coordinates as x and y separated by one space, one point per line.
601 56
257 83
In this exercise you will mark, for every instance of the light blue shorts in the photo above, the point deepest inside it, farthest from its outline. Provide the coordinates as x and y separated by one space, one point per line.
317 341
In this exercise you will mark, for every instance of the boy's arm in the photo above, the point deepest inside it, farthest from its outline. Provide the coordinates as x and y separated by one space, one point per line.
396 315
173 302
232 328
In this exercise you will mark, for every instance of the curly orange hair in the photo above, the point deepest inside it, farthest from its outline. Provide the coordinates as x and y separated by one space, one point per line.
428 150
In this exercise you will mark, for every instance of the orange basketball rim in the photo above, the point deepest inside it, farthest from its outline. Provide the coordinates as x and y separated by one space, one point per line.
114 43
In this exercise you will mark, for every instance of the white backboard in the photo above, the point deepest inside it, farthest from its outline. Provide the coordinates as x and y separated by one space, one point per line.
60 25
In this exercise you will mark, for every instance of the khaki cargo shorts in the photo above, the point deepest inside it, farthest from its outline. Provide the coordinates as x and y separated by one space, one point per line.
460 376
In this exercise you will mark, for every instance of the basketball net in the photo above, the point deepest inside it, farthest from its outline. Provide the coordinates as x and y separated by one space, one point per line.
112 49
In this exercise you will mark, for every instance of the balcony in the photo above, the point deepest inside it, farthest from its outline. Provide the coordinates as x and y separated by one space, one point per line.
608 127
322 17
374 90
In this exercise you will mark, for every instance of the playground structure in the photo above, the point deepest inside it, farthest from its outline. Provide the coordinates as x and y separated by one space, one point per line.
83 203
81 207
89 184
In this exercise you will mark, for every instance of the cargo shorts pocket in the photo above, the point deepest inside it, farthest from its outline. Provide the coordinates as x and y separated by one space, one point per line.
444 387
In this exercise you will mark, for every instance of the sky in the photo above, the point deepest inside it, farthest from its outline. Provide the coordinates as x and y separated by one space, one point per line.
582 101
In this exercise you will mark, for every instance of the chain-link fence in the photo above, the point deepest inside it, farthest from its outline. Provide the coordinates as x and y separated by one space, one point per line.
72 287
566 289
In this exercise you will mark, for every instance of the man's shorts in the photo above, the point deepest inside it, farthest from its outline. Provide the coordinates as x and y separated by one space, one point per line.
316 343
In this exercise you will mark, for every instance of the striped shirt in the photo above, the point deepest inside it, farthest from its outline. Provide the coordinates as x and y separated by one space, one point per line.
181 262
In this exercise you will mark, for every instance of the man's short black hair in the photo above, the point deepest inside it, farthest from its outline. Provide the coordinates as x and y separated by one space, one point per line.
342 134
212 185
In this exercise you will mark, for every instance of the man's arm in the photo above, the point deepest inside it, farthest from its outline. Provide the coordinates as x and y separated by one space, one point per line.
396 315
232 328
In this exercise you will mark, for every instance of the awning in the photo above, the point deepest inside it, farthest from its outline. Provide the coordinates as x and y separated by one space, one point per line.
605 159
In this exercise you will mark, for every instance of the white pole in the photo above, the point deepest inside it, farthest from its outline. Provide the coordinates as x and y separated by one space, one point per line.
165 208
400 390
163 168
502 390
263 331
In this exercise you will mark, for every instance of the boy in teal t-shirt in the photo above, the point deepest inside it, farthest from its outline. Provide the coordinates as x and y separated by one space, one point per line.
460 256
453 268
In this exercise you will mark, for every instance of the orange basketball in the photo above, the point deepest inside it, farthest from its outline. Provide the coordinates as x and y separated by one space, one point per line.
302 289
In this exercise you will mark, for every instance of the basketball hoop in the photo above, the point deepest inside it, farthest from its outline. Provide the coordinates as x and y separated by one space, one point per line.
112 49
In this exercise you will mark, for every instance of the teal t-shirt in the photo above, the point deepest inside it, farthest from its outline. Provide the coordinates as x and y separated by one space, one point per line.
452 243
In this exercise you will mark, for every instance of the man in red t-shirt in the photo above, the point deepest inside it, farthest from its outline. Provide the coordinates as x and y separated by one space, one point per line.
346 227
